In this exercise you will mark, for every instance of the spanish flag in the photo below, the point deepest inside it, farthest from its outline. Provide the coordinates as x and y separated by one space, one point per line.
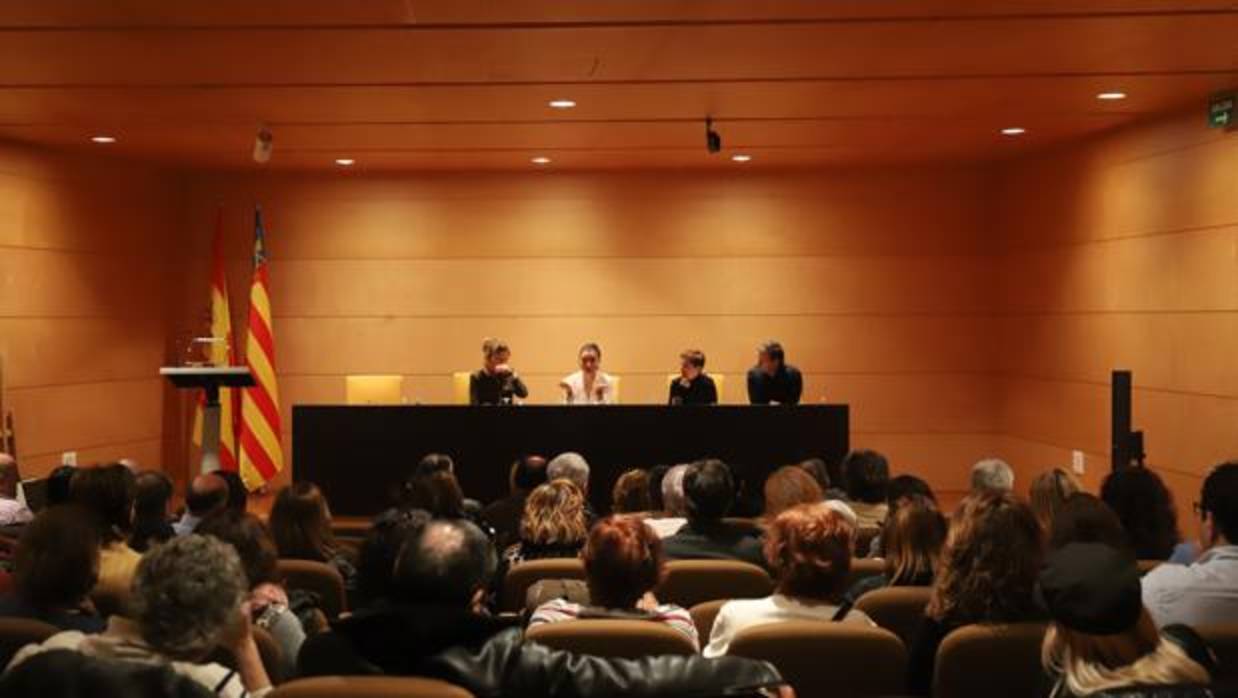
262 455
221 354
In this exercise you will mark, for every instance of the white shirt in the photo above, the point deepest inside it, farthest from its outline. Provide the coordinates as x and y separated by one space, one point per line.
13 512
603 392
665 528
1202 593
735 616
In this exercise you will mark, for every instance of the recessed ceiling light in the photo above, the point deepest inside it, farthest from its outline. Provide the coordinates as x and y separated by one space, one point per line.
1111 96
1013 131
741 157
344 162
562 103
103 139
540 160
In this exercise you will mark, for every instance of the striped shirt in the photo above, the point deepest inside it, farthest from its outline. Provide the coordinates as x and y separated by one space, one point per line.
677 617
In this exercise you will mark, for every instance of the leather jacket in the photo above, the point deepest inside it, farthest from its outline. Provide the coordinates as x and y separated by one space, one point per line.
489 657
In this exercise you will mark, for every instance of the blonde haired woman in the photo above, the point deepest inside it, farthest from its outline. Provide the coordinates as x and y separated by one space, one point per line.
553 525
495 383
1102 638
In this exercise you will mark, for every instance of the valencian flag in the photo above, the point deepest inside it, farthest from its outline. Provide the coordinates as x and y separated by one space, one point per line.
221 354
262 454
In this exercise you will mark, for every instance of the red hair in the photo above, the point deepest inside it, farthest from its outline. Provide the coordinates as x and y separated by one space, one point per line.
809 549
623 560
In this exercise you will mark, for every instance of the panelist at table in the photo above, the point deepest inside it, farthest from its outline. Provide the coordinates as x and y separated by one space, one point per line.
590 385
495 383
693 386
772 381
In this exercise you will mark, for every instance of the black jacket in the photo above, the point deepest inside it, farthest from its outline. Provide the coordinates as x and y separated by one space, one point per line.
720 540
489 657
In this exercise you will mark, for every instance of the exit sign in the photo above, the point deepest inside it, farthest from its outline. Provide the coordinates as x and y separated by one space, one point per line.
1221 111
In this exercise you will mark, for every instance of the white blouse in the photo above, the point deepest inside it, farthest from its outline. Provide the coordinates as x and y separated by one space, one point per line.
603 389
735 616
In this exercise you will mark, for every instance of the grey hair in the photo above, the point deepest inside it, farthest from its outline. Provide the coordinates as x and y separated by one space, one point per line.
569 466
992 474
673 500
187 594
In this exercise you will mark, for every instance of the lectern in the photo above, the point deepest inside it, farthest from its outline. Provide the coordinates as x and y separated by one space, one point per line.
210 379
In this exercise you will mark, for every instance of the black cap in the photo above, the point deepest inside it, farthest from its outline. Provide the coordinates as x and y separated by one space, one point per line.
1092 588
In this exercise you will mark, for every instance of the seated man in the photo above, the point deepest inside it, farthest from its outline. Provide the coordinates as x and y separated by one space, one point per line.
432 628
1205 592
208 493
709 491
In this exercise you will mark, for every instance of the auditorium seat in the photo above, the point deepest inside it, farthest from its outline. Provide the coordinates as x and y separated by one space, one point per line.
318 578
525 574
897 609
460 387
865 567
703 615
980 661
16 633
374 389
624 639
820 658
369 687
690 582
1223 639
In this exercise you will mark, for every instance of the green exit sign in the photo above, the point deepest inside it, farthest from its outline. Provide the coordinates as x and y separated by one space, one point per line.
1221 111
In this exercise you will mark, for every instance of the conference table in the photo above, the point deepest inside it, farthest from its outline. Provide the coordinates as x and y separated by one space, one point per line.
359 454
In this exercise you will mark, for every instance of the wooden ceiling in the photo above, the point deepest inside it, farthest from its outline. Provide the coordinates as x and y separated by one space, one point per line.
464 84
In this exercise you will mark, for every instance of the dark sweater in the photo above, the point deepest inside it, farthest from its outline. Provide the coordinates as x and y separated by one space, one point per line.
490 389
784 387
700 391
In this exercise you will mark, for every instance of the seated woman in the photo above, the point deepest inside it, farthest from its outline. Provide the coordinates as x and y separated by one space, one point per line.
590 385
623 563
790 486
152 520
631 493
912 538
57 564
1146 509
693 386
301 526
553 524
495 383
107 493
269 607
1048 492
186 601
808 547
987 574
1102 639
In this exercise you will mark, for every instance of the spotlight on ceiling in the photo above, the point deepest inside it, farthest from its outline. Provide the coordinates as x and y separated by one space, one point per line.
103 139
345 162
1111 96
561 103
740 157
713 140
540 160
1013 131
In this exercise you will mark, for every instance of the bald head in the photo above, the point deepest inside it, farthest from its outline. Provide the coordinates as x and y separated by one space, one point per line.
445 563
207 493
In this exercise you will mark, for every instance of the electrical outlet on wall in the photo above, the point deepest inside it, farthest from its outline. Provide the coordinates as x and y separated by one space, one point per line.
69 458
1077 462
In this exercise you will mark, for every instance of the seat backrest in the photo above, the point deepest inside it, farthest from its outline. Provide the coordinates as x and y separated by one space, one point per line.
615 382
374 389
16 633
369 687
862 567
990 660
1223 639
521 576
820 658
460 387
619 638
318 578
897 609
703 615
690 582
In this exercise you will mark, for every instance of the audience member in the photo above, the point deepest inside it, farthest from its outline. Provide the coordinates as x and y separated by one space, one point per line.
709 491
12 511
58 485
268 603
553 524
631 493
623 563
901 489
656 474
571 467
207 494
992 474
674 506
56 566
987 574
1102 639
1145 508
912 540
866 479
504 515
107 494
151 511
187 598
820 472
433 629
377 556
238 493
790 486
1083 518
68 674
1047 494
301 526
1206 591
437 493
808 547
